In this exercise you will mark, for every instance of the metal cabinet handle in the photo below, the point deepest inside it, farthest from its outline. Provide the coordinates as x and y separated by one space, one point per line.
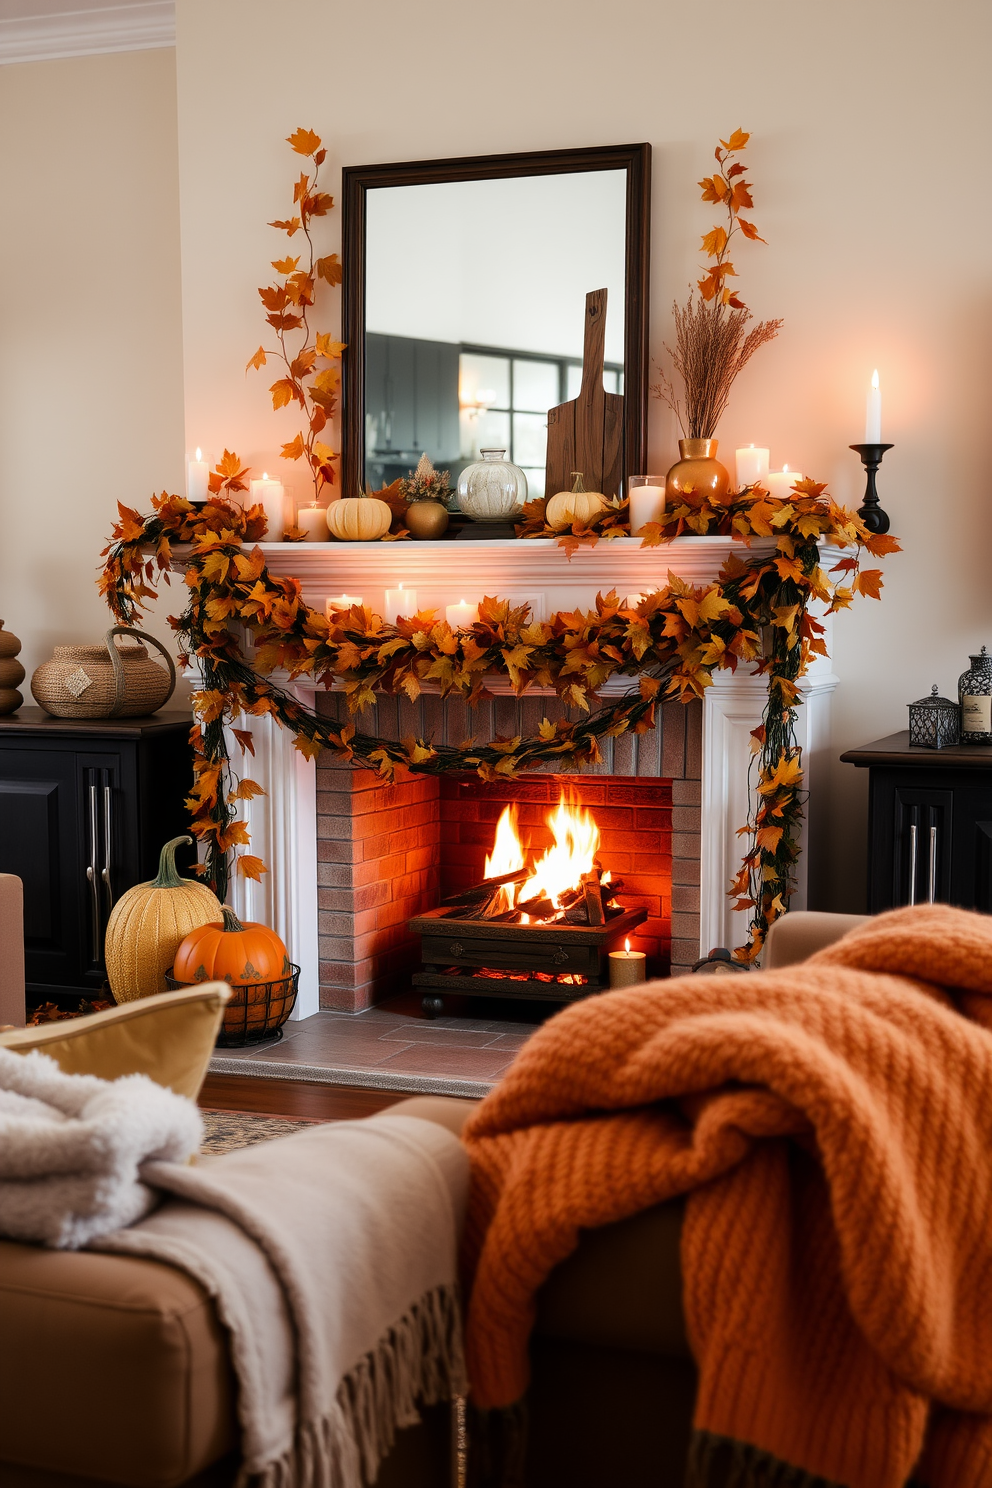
912 864
932 877
92 873
107 839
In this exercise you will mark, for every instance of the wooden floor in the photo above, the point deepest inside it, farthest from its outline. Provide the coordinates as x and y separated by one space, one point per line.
293 1098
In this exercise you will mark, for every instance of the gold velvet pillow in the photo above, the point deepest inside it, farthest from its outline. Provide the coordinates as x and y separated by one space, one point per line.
169 1037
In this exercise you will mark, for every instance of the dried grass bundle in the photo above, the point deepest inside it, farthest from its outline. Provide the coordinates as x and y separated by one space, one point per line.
712 346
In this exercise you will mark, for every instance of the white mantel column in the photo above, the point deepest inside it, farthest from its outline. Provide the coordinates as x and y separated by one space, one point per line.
282 824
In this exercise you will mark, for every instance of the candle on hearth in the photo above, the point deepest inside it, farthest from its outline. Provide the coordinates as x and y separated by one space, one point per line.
646 495
313 521
336 602
781 482
460 616
197 479
269 494
627 966
399 602
873 412
752 467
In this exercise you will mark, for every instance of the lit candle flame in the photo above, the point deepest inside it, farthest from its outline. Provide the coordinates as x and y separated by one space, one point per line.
626 946
874 379
200 457
265 473
785 469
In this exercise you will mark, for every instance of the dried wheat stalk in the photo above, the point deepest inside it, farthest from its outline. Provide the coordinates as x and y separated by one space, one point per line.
712 346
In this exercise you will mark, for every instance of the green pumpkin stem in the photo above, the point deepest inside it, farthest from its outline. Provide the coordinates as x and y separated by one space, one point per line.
231 921
577 485
168 875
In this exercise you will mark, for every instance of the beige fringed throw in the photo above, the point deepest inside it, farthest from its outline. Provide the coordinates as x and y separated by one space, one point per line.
331 1256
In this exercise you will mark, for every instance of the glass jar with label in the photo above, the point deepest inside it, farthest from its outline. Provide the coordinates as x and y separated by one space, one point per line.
975 696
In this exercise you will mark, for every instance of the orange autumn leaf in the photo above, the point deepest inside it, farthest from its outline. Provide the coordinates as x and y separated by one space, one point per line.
304 141
132 526
737 141
251 867
290 225
258 360
869 583
245 739
329 268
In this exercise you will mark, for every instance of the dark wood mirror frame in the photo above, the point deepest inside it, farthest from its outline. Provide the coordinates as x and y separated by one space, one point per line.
359 179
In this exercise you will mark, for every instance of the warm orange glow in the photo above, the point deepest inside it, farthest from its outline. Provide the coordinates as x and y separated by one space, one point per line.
573 853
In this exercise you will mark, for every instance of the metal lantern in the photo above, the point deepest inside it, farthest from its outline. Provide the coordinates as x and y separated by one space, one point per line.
934 722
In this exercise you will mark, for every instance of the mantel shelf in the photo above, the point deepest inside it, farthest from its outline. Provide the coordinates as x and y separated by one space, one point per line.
536 571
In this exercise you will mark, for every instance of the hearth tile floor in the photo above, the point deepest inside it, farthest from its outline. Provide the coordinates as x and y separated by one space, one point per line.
394 1047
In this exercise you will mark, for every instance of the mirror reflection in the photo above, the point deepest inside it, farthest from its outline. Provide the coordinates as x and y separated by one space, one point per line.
475 311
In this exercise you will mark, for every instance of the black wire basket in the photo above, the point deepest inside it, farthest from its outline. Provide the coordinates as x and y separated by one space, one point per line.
256 1011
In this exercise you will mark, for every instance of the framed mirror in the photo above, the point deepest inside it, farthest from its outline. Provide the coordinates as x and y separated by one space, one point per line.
464 305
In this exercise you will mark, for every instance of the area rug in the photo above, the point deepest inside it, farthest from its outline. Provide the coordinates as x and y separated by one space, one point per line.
225 1131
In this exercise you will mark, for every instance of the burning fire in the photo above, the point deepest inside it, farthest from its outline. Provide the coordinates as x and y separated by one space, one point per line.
563 864
507 855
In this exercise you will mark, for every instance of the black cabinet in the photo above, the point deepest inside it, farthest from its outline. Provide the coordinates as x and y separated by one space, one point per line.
85 806
929 824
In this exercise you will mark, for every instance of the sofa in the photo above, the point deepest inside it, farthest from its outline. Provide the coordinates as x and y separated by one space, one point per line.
114 1370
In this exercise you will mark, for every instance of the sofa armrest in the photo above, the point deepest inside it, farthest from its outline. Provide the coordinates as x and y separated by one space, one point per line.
11 950
802 932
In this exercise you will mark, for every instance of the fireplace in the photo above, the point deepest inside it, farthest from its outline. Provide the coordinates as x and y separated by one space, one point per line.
550 902
352 860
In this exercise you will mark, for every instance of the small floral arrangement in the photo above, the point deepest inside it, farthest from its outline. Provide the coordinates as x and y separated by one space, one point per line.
426 483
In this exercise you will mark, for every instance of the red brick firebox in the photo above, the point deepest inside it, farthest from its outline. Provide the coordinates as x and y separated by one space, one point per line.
386 853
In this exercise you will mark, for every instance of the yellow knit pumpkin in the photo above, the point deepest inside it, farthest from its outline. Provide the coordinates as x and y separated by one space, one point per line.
358 519
576 505
148 924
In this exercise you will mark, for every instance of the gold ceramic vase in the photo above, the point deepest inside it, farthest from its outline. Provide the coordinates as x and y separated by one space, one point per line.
697 472
426 519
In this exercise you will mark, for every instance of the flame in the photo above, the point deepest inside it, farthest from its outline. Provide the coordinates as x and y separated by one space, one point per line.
200 457
626 946
507 855
575 846
874 379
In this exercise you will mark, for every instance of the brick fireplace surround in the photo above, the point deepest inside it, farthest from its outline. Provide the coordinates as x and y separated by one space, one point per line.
386 853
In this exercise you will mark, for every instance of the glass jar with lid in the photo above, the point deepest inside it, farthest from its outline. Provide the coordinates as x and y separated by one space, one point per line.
492 489
975 697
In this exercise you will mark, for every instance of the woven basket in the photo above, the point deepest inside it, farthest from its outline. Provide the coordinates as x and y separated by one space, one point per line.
256 1011
104 681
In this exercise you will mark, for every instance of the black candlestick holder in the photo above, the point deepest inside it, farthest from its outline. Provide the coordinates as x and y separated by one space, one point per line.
874 518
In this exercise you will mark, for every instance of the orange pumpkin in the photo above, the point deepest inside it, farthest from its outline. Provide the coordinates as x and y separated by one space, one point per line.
254 961
231 952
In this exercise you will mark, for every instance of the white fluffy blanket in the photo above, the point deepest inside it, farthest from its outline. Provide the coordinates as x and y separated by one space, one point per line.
71 1147
331 1256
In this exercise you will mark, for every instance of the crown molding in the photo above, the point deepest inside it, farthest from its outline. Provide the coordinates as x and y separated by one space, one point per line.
133 27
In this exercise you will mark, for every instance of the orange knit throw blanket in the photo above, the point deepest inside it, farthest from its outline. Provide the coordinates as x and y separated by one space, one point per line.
831 1124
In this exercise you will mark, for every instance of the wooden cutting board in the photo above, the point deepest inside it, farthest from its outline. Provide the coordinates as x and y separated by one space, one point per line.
587 433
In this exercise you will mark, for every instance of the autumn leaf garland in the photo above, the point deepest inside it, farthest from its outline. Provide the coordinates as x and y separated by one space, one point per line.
669 643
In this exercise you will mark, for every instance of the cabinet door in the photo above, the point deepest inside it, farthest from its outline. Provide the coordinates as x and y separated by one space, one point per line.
971 876
61 834
912 837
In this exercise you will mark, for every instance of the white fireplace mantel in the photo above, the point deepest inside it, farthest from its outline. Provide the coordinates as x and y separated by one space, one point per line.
282 823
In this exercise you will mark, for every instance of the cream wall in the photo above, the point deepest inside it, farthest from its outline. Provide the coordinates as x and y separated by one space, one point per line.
868 119
90 328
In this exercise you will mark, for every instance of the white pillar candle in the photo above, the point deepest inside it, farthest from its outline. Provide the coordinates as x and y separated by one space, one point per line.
399 602
646 495
338 602
873 412
752 467
627 967
197 479
460 616
781 482
269 493
313 521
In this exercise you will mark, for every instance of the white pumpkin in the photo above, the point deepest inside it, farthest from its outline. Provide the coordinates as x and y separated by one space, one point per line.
576 505
358 519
